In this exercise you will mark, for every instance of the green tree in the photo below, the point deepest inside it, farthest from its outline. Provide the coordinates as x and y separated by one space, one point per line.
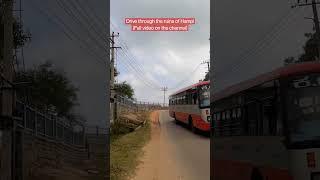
289 60
310 48
48 88
207 77
124 89
20 36
310 51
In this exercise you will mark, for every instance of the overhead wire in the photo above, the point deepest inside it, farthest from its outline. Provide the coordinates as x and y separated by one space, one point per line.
67 31
66 8
260 44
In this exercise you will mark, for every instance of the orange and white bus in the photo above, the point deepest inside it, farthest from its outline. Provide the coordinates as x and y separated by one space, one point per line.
191 106
268 127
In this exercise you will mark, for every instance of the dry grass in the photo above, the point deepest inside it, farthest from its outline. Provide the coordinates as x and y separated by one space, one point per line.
125 150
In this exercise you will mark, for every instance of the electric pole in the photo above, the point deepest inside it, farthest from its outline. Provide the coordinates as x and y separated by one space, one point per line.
7 138
207 73
112 71
208 63
164 89
315 18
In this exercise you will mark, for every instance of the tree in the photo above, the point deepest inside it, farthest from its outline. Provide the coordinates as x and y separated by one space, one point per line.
207 77
310 49
20 36
124 89
48 88
289 60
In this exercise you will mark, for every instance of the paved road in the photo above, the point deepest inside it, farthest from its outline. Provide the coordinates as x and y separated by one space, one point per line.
174 152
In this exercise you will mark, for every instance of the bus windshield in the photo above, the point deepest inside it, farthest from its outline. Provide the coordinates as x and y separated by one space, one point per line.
304 109
204 93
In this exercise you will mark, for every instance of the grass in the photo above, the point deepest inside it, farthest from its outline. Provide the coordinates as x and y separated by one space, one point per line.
125 150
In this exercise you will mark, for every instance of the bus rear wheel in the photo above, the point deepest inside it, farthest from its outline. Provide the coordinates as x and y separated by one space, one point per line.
175 119
191 126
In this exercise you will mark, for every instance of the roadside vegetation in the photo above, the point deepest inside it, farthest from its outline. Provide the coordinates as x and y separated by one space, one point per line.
126 147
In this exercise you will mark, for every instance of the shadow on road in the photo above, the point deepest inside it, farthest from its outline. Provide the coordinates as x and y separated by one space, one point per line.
187 128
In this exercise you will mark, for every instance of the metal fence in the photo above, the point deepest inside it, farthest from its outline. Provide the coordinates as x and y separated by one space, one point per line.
139 105
49 125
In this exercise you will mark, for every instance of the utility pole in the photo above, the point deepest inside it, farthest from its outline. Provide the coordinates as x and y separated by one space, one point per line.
113 100
164 89
208 63
315 18
7 138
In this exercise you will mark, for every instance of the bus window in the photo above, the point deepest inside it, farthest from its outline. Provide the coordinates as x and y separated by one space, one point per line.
195 98
267 119
204 96
252 118
234 113
228 115
185 99
218 125
189 96
238 112
228 123
303 105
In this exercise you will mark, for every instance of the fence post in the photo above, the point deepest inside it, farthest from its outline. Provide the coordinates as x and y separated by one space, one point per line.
55 128
83 135
72 135
35 122
45 124
24 116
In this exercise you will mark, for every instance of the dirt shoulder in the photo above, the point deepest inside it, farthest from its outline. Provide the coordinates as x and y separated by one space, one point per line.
126 149
157 162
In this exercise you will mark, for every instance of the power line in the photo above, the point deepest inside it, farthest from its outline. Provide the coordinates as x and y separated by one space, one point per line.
262 49
186 79
315 20
138 75
134 62
67 31
82 12
135 66
260 46
127 54
76 19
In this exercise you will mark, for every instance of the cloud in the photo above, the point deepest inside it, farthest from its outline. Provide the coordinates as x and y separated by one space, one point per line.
166 58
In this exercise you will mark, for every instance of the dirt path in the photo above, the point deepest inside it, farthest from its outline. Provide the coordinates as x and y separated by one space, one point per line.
161 160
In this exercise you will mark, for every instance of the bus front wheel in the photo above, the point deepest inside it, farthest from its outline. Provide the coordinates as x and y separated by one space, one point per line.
256 174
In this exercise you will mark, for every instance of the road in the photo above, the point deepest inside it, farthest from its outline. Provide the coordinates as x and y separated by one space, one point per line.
174 153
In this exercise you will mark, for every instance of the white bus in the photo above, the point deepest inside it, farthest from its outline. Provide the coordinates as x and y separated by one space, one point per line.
268 127
191 105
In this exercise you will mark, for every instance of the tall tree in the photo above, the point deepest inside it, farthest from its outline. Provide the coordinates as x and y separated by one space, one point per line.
310 48
47 87
310 51
124 89
207 77
20 36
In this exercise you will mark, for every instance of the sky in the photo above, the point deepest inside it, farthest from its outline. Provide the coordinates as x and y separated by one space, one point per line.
167 59
152 60
82 57
252 37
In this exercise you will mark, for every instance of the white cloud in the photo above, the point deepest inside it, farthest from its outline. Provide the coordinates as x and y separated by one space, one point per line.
166 57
